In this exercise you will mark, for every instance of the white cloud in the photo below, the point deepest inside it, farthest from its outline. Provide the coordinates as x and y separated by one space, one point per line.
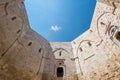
55 28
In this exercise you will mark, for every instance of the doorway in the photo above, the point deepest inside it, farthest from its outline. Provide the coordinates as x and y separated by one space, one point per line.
60 72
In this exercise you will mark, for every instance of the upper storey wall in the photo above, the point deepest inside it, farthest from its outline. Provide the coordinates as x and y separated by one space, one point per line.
106 20
12 22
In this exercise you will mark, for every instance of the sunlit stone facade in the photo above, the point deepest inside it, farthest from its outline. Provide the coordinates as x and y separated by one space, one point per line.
25 55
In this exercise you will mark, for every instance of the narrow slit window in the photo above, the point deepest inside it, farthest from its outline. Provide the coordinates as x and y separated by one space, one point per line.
60 53
30 43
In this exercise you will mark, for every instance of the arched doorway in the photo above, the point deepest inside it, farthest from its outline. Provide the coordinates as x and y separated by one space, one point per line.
60 72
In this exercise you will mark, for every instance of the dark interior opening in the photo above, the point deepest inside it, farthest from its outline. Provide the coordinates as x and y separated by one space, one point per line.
60 72
118 35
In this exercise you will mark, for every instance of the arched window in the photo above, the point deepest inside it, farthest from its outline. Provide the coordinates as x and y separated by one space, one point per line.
60 72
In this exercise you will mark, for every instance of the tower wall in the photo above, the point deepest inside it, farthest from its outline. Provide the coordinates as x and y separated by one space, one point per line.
24 55
97 51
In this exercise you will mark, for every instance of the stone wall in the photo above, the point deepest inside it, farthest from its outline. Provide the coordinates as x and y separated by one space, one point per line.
24 55
97 51
63 55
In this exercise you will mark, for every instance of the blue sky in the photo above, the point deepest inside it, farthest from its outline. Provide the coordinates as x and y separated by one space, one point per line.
60 20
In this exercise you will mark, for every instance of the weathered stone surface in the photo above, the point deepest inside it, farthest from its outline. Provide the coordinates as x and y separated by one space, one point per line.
98 49
64 58
24 55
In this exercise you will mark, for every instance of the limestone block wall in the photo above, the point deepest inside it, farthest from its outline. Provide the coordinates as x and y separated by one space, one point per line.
97 51
24 55
64 58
